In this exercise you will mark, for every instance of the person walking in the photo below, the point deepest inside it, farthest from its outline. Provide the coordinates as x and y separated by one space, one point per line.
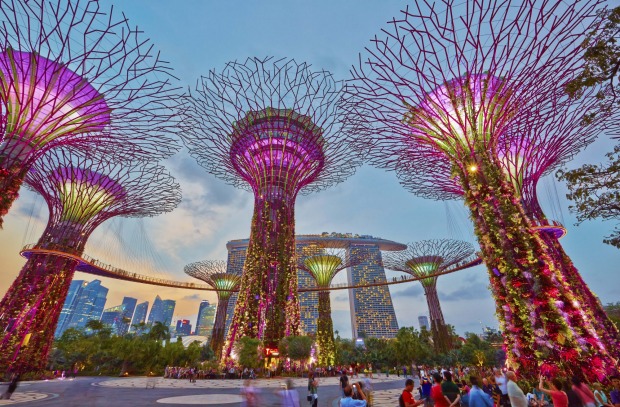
344 381
437 395
476 396
600 397
349 401
558 397
450 390
288 395
313 385
583 391
515 394
406 399
615 393
501 382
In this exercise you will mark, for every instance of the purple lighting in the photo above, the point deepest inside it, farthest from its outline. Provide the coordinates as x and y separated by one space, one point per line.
59 101
281 135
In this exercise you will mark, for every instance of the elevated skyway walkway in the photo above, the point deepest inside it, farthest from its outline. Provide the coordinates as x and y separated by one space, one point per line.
87 264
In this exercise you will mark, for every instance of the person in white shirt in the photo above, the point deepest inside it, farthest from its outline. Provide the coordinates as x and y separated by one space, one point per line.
515 394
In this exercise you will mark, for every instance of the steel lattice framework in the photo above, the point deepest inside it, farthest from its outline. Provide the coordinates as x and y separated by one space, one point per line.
441 90
74 74
81 192
275 127
527 154
323 263
426 260
213 272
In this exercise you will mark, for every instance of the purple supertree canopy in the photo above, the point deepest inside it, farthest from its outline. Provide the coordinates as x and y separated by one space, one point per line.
60 101
278 128
444 80
72 72
265 120
82 192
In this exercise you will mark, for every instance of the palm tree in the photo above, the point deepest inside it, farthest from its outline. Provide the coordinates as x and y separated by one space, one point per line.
159 331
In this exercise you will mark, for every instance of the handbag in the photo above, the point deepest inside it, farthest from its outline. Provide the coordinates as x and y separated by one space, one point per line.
309 397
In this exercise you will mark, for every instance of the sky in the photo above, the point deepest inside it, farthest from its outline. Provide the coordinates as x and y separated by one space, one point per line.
196 36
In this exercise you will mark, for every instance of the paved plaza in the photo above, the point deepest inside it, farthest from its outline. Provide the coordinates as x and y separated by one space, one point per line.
142 391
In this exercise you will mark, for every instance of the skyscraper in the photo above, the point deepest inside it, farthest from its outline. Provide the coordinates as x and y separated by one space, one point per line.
206 314
309 300
75 289
168 311
113 318
130 306
236 258
139 315
372 312
423 321
89 305
183 328
157 311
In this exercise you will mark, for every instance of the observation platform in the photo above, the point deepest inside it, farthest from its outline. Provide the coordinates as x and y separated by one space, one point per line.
334 240
554 228
87 264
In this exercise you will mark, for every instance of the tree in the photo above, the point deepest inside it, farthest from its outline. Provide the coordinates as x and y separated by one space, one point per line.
297 348
613 312
476 351
602 60
159 331
595 190
248 352
409 346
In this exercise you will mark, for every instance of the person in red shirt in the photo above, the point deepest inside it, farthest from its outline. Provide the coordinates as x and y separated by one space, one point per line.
436 393
558 397
407 396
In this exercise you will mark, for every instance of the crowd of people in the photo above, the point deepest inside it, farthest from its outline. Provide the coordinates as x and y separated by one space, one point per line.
193 373
449 388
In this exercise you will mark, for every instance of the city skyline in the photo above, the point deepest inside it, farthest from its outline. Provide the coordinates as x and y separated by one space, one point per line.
371 201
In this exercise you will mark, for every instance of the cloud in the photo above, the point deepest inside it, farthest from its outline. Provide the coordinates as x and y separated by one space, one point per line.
473 290
412 291
192 297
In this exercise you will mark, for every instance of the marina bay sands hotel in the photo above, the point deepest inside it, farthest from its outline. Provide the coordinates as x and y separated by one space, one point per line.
372 311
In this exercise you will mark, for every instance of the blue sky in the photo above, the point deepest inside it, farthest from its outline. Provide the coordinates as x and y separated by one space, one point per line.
196 36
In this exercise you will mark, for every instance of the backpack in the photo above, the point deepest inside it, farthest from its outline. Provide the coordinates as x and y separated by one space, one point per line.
401 402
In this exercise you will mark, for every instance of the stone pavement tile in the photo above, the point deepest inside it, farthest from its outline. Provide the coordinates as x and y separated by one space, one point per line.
386 398
24 397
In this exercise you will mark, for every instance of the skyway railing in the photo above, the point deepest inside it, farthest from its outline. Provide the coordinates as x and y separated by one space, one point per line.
90 265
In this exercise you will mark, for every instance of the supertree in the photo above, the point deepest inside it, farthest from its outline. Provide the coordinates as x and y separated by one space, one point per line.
441 87
73 74
213 272
427 260
274 127
527 154
323 263
81 193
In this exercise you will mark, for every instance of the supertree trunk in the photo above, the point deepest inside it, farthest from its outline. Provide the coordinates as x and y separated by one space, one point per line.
30 310
591 305
325 331
441 337
11 180
216 342
537 311
267 307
